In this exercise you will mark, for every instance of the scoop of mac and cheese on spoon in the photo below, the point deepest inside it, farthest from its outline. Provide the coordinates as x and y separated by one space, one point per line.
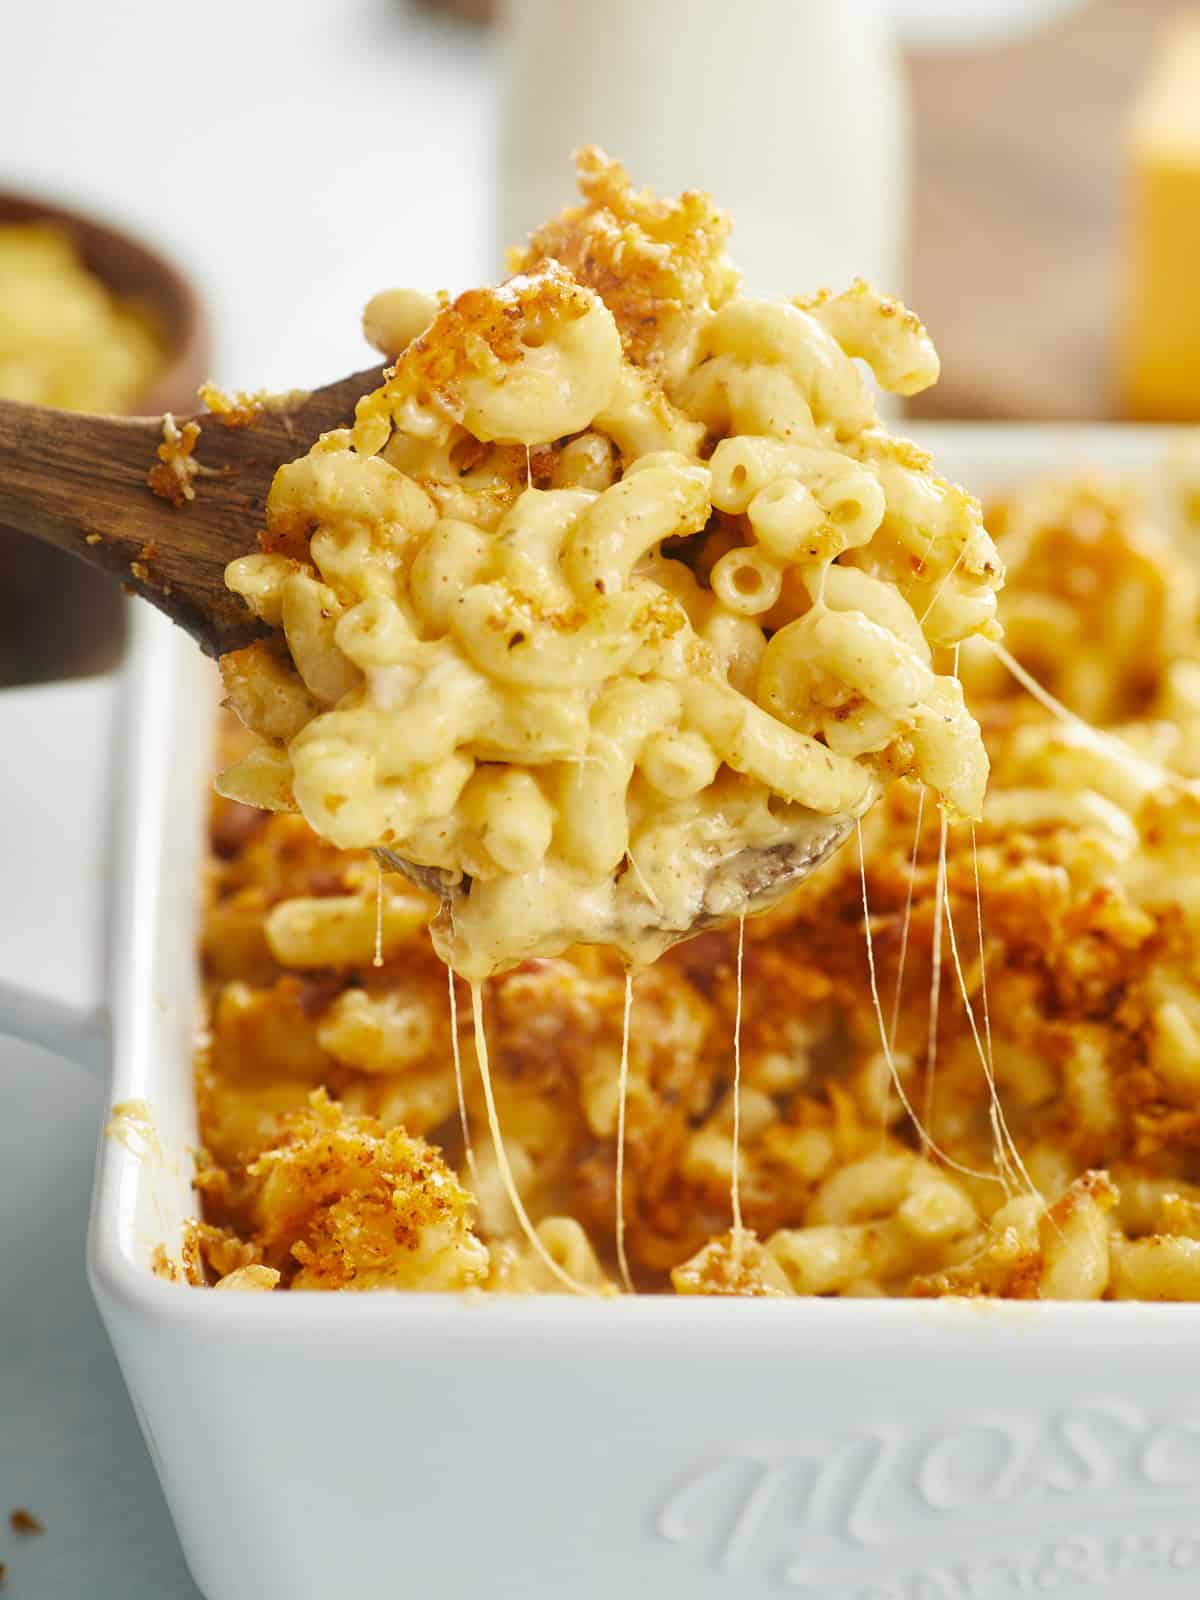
617 604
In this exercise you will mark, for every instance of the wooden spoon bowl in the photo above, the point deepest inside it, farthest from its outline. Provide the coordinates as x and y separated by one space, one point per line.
58 619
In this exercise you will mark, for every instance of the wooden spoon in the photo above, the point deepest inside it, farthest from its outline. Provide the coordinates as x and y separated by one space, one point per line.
746 883
80 482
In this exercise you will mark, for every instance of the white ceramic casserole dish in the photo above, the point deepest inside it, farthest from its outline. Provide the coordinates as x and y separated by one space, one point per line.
343 1447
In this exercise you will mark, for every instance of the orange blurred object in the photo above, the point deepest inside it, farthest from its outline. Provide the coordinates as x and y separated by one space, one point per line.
1160 323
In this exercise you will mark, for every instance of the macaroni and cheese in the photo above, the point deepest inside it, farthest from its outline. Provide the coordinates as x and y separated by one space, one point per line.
615 599
617 603
1069 933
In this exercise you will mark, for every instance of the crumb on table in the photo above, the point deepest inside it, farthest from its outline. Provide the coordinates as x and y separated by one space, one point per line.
22 1520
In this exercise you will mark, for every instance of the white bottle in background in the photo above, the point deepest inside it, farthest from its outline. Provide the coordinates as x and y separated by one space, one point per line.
792 113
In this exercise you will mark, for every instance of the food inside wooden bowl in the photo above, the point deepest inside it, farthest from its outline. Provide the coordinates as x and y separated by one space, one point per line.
90 319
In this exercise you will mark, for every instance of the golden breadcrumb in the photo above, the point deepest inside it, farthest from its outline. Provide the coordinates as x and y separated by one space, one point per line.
658 264
236 410
163 1266
477 336
172 476
241 409
342 1203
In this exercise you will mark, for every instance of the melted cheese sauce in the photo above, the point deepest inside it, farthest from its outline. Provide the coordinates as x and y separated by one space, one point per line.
735 1180
459 1090
688 877
897 1080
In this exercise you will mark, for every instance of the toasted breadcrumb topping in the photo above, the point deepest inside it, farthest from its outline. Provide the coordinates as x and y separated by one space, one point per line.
172 475
343 1203
658 264
320 1085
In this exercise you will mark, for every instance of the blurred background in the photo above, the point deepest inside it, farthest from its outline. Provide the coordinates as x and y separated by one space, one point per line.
295 156
1026 173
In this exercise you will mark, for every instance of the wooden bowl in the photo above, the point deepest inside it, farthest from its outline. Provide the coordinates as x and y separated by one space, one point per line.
59 618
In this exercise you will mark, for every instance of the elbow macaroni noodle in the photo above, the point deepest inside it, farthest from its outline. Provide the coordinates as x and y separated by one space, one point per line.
614 586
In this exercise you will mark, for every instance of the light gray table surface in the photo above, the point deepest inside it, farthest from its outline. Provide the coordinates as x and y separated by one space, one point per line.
70 1449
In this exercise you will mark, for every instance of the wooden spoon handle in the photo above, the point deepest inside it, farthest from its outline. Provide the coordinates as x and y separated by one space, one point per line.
56 466
80 482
